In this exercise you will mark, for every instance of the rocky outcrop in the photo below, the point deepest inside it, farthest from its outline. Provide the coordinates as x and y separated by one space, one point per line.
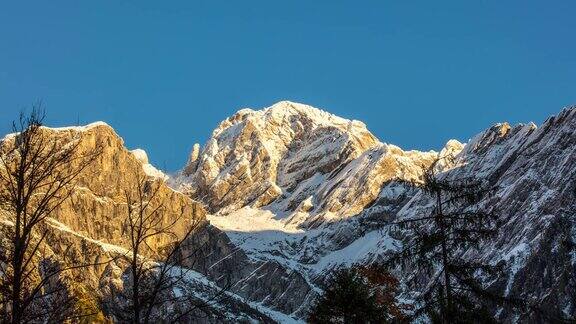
192 164
533 170
97 206
263 281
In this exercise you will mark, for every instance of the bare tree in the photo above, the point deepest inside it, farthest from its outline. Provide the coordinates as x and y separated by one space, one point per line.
38 172
156 273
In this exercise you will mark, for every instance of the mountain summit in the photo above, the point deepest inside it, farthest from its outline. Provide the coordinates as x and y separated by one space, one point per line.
296 158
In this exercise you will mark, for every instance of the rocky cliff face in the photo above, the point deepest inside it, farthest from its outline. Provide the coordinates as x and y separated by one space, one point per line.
535 171
97 208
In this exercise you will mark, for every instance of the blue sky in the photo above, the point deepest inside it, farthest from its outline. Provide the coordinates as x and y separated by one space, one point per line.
164 74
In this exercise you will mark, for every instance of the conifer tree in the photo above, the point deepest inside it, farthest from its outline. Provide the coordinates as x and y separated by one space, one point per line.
358 295
460 221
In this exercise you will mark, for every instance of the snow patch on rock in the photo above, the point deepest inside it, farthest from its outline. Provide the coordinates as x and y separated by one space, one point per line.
148 168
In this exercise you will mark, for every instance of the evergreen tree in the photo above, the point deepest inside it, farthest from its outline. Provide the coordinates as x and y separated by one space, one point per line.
458 223
358 295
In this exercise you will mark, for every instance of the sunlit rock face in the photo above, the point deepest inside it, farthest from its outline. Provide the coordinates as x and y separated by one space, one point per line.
291 153
254 157
97 208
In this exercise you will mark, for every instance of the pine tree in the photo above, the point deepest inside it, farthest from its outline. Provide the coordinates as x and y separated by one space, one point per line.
460 221
358 295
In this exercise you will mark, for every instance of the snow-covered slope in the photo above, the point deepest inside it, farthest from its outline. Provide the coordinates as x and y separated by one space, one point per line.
295 185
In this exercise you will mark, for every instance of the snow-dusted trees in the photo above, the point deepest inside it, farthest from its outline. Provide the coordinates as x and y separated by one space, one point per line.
37 175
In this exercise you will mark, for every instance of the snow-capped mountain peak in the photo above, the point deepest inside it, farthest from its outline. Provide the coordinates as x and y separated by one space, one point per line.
289 153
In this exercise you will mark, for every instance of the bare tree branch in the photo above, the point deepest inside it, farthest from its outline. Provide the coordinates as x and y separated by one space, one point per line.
38 172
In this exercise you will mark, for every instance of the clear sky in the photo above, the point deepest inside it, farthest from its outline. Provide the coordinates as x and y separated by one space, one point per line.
165 73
